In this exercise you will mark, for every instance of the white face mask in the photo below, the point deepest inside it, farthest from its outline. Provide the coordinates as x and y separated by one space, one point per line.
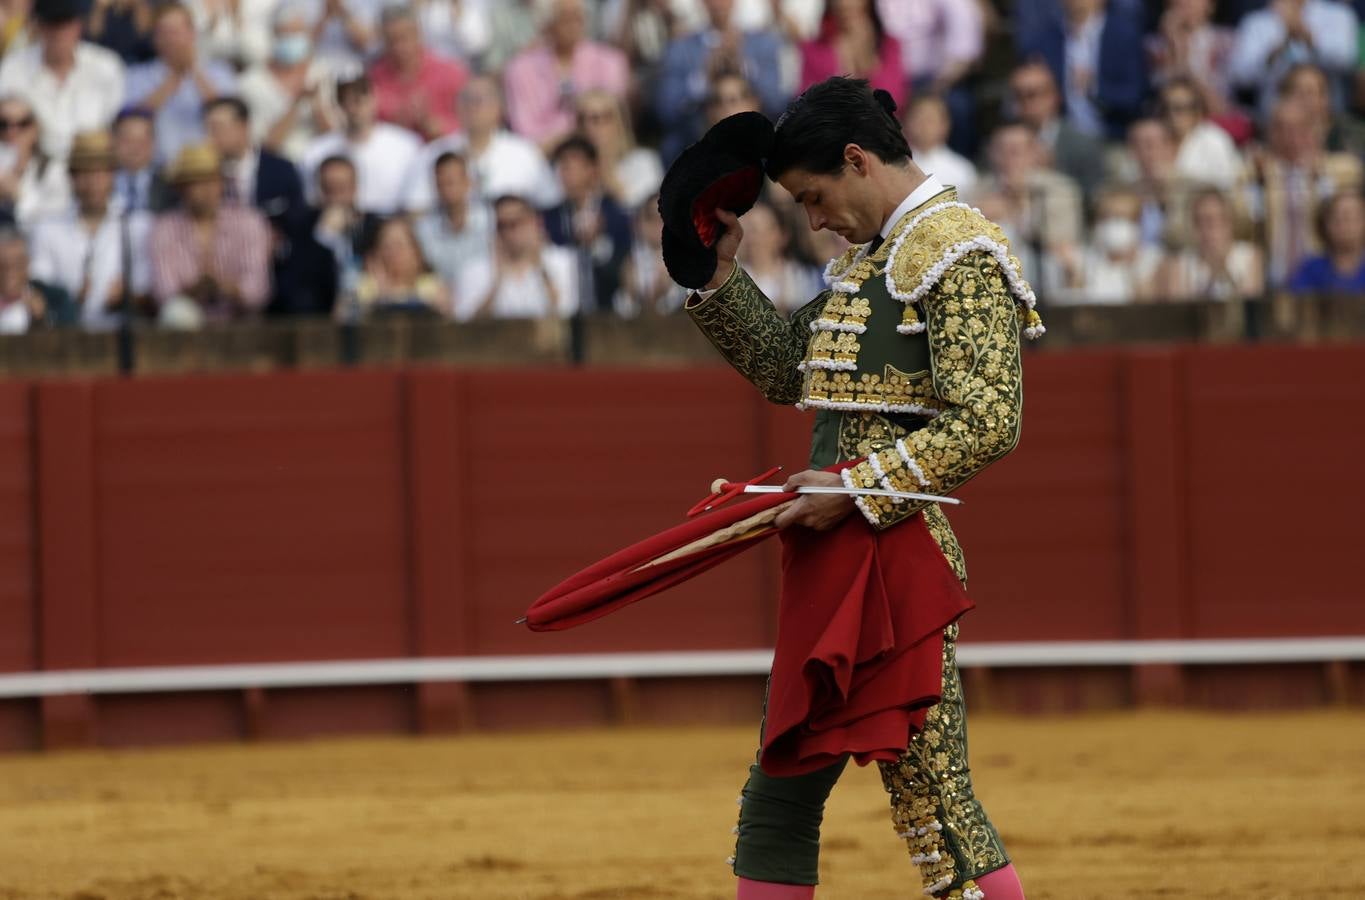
1117 236
292 48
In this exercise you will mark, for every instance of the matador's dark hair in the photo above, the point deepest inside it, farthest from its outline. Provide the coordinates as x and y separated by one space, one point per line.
838 111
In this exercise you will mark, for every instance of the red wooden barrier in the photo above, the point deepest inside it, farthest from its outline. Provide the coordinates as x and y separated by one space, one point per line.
384 513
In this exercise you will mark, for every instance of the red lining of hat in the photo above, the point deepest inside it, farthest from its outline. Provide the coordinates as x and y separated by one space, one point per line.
736 190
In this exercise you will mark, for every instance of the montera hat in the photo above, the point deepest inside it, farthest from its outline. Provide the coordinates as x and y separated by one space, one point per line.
724 170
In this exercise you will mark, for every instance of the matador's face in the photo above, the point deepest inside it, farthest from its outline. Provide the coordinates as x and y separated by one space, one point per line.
845 202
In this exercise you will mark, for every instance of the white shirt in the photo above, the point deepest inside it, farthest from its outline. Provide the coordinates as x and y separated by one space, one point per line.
519 296
86 100
1207 155
269 102
510 164
65 253
382 164
928 188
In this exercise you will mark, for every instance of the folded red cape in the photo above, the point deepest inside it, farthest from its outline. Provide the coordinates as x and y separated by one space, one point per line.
631 574
860 622
859 643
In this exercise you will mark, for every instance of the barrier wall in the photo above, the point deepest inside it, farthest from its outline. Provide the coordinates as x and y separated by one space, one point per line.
1196 492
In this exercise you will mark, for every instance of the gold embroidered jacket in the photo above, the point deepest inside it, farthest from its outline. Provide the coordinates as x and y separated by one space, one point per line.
911 357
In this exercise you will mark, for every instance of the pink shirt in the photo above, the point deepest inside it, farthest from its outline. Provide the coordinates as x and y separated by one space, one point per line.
240 254
934 33
539 105
431 94
819 60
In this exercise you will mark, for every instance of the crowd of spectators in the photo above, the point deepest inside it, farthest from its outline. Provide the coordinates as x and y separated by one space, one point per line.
195 161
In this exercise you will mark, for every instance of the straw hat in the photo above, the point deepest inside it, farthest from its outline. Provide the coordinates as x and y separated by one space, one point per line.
91 150
196 162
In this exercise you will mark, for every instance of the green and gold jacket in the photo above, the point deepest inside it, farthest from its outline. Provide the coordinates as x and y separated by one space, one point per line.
910 357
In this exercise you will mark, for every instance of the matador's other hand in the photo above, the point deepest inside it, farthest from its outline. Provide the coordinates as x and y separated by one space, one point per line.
727 247
818 511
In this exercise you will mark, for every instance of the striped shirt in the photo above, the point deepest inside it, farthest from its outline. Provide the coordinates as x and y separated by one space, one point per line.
239 255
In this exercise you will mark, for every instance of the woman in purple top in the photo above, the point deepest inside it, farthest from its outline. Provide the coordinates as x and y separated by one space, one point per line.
1340 269
853 42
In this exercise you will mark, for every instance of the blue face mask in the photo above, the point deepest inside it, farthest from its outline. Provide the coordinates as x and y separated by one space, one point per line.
292 48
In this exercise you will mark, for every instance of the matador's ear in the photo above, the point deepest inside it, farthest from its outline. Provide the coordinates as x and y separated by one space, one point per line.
724 170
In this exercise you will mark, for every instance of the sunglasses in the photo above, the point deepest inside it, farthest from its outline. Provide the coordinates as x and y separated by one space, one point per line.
509 224
16 124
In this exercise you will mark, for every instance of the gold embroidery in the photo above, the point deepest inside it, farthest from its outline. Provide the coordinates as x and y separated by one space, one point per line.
973 334
845 309
893 388
841 346
933 806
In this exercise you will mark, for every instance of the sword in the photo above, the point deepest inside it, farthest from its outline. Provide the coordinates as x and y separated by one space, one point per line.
858 492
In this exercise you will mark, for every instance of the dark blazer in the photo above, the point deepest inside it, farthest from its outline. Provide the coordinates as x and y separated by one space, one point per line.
1122 83
279 191
308 277
606 255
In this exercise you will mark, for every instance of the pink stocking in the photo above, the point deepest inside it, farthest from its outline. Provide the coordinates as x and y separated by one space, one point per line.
1002 884
771 890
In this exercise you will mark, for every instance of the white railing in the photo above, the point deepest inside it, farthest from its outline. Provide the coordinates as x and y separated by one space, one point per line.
672 664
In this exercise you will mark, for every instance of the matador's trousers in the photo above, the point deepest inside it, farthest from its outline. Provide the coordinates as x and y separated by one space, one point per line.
932 807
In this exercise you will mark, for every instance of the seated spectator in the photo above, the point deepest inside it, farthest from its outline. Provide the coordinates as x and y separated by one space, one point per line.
455 29
853 42
646 286
176 85
124 27
84 250
500 162
1217 266
383 154
543 80
730 94
941 42
766 257
1150 167
693 62
344 31
292 96
1038 103
210 261
1038 207
32 184
1114 266
1307 85
512 26
527 278
460 228
926 130
1188 45
1271 40
138 182
1205 154
1092 50
27 304
630 173
1340 269
1289 181
251 175
236 32
397 277
325 255
413 87
73 85
590 223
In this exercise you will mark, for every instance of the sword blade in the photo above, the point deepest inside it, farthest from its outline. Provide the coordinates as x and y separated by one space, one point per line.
861 492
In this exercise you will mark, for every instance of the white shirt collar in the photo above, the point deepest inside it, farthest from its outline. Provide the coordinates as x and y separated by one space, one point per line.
928 188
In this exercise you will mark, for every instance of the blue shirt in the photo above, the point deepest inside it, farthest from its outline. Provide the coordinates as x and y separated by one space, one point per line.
180 119
1317 276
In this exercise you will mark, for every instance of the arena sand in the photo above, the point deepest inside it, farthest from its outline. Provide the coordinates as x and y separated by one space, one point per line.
1131 805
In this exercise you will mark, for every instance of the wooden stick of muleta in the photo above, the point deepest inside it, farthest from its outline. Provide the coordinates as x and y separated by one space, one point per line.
720 485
